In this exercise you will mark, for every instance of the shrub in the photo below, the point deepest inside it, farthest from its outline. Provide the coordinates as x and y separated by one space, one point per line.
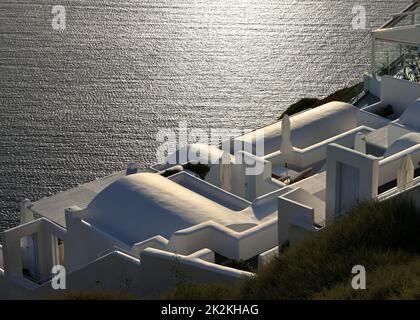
344 95
198 168
381 236
238 264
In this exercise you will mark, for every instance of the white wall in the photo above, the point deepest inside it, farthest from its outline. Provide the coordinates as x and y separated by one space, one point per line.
118 272
399 93
157 242
396 131
303 197
12 257
86 243
372 85
163 270
265 207
267 256
304 158
293 212
368 167
225 241
365 117
252 176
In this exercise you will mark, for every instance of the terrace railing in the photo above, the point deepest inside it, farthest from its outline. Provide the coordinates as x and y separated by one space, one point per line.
397 190
407 17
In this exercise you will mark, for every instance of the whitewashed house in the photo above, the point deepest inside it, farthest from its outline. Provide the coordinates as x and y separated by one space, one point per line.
143 231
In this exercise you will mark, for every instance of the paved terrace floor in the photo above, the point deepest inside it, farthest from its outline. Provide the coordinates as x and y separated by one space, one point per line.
53 207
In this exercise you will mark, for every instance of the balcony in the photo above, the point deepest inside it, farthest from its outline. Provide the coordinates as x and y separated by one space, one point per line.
409 16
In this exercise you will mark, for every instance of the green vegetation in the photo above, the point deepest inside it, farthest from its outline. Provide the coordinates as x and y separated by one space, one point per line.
239 264
301 105
344 95
384 237
198 168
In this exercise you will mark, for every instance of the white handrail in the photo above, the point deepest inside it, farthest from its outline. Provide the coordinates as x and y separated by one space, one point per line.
396 18
397 190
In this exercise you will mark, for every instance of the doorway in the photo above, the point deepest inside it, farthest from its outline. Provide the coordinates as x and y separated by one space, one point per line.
29 255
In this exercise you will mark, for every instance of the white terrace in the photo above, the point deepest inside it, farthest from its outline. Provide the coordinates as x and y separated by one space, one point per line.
140 231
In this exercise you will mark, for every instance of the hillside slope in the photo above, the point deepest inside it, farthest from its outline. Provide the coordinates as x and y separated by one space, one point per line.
344 95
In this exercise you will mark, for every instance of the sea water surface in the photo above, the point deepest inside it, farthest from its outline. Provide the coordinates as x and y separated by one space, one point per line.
79 104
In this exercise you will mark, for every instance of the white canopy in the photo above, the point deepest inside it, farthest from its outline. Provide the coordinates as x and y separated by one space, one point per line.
405 173
286 143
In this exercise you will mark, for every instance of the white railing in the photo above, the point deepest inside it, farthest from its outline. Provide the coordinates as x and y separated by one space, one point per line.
397 190
411 10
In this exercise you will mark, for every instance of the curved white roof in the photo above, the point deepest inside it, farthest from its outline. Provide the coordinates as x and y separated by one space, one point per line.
309 127
199 152
143 205
404 142
411 116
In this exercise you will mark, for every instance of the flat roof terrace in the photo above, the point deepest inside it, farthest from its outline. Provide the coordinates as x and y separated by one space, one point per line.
53 207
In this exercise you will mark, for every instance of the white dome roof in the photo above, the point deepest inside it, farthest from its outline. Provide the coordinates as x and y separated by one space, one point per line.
309 127
143 205
404 142
411 116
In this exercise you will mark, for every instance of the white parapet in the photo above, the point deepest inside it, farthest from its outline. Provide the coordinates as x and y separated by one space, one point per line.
267 256
351 177
162 270
226 241
399 93
157 242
